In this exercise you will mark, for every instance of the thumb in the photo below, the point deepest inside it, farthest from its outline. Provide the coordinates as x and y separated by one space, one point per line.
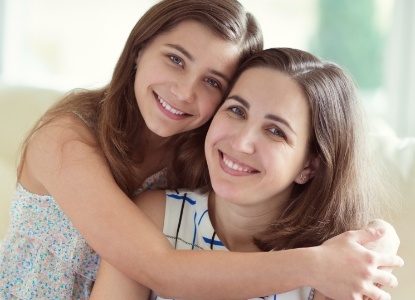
369 235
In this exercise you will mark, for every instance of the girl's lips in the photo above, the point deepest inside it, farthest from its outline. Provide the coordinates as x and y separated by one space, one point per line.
235 167
169 108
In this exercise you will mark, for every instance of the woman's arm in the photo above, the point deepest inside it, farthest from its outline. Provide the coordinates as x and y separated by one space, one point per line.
67 163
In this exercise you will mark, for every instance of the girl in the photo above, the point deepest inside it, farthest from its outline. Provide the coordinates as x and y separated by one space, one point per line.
94 150
288 169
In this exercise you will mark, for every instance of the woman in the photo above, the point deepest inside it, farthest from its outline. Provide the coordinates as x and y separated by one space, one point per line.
288 169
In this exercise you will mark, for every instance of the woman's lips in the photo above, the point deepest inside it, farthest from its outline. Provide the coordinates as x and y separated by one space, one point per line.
235 167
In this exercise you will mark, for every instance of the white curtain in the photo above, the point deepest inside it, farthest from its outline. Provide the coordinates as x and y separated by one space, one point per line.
400 69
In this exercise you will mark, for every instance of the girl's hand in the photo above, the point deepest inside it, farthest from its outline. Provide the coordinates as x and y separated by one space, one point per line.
388 243
348 270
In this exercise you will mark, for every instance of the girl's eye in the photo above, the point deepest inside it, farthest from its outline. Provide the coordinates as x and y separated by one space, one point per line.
237 111
176 60
213 82
277 132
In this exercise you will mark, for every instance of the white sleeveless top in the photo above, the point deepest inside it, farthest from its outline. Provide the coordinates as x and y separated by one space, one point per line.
187 226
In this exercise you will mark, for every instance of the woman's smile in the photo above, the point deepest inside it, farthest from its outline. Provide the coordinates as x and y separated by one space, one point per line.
234 167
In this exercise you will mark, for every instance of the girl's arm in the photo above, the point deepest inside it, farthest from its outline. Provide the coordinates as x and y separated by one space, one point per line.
113 284
66 162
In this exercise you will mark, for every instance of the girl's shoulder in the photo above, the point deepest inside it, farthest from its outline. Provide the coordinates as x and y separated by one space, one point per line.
56 145
63 129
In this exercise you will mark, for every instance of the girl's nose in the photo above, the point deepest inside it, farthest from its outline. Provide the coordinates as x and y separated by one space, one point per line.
184 89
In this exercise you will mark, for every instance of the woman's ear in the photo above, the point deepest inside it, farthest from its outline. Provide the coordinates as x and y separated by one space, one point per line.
309 170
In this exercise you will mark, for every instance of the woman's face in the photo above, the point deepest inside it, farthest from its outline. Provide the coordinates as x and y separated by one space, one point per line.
181 77
257 144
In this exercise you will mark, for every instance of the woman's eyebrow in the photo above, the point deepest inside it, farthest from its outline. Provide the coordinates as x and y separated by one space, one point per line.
280 120
192 59
240 100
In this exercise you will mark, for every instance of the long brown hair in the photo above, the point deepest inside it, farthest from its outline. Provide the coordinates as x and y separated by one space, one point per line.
346 190
112 112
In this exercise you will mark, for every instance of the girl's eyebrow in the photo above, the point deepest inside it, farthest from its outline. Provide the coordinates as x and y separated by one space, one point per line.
182 50
192 59
267 116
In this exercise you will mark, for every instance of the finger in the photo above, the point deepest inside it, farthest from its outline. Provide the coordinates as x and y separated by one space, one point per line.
369 235
387 260
375 293
378 223
384 278
379 295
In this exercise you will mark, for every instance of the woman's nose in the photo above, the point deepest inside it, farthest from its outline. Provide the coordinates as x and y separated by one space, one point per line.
244 140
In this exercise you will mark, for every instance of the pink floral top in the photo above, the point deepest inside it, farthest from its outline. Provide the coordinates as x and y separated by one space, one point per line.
43 256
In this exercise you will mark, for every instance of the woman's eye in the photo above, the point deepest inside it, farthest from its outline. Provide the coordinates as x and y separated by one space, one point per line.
277 132
212 82
176 60
237 111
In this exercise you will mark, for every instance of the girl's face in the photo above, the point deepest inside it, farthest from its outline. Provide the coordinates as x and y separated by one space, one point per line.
181 77
256 146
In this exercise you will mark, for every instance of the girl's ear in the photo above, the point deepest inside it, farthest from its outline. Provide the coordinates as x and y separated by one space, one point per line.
309 170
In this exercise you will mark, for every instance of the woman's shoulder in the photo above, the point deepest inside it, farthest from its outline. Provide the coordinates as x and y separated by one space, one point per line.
153 204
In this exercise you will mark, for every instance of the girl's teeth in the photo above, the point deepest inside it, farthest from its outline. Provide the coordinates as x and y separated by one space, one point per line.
168 107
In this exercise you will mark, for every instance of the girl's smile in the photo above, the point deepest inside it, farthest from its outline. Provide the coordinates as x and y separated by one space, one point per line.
177 86
170 111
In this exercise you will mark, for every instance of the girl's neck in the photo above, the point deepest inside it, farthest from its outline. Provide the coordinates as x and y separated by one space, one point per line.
154 154
155 142
237 225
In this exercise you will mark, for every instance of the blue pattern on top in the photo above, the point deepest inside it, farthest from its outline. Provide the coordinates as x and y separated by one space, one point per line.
181 197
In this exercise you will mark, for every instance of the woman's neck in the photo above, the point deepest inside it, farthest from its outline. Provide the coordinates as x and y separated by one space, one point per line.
237 225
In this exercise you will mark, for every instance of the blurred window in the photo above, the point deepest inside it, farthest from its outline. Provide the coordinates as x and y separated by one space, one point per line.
68 44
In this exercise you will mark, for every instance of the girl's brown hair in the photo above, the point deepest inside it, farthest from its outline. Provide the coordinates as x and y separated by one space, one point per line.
112 112
346 190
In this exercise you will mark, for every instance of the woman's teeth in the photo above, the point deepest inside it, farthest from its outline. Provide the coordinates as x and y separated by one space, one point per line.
168 107
235 166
